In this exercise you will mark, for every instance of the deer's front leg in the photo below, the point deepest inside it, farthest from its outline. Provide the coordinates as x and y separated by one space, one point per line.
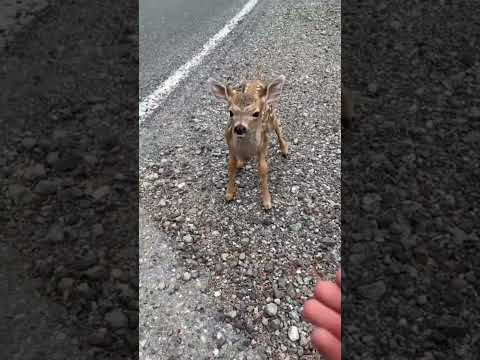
263 173
232 171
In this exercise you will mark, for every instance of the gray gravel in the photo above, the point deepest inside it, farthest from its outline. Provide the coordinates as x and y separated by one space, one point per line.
248 257
66 200
410 199
15 15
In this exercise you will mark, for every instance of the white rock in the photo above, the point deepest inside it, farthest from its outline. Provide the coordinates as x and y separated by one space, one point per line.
293 333
271 309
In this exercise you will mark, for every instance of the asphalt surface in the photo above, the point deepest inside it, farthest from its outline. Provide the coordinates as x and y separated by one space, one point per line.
172 31
208 269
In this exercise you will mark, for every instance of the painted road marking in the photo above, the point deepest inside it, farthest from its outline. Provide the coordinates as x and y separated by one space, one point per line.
153 101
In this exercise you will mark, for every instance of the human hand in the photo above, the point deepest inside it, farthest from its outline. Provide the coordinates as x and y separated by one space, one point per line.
324 311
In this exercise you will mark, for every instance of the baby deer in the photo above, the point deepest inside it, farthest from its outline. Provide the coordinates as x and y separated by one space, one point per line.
252 117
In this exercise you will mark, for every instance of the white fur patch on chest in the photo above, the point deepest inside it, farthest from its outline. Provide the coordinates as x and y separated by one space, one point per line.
245 148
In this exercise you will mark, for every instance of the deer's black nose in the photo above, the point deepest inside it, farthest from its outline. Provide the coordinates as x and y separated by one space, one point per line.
240 130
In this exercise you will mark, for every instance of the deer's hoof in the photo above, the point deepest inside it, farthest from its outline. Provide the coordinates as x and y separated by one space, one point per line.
267 201
284 150
230 194
240 164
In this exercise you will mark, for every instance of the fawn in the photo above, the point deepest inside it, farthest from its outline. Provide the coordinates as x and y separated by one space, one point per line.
252 117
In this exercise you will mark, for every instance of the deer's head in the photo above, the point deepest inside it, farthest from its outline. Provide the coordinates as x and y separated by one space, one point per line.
247 104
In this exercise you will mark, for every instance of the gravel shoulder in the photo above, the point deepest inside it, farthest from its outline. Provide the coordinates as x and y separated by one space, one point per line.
68 199
410 175
259 267
14 15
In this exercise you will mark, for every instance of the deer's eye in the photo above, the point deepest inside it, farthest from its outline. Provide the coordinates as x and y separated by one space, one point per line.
256 114
231 114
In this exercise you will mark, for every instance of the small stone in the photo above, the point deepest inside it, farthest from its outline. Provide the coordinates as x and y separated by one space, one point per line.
459 283
220 340
162 285
187 276
94 272
295 227
52 158
85 289
472 137
116 319
101 192
217 293
181 185
278 294
372 88
66 283
291 291
242 256
20 194
218 268
369 201
276 324
29 143
55 234
293 333
216 352
98 230
34 171
475 112
231 314
152 177
271 309
294 316
224 256
45 187
100 337
269 268
116 274
373 291
422 300
188 239
304 340
163 203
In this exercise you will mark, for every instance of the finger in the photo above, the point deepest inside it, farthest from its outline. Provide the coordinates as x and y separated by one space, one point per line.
329 294
328 345
322 316
339 277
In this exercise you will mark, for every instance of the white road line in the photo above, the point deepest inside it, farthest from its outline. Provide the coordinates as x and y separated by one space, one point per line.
153 101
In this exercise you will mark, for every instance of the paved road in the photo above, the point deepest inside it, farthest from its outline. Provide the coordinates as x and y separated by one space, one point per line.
207 268
171 31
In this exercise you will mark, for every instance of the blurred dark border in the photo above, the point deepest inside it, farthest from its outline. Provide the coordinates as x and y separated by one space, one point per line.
69 178
410 188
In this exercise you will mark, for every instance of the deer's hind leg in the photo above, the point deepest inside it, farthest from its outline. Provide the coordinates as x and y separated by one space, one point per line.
281 139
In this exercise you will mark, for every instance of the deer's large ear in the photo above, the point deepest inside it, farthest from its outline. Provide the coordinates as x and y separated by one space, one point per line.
220 91
274 89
